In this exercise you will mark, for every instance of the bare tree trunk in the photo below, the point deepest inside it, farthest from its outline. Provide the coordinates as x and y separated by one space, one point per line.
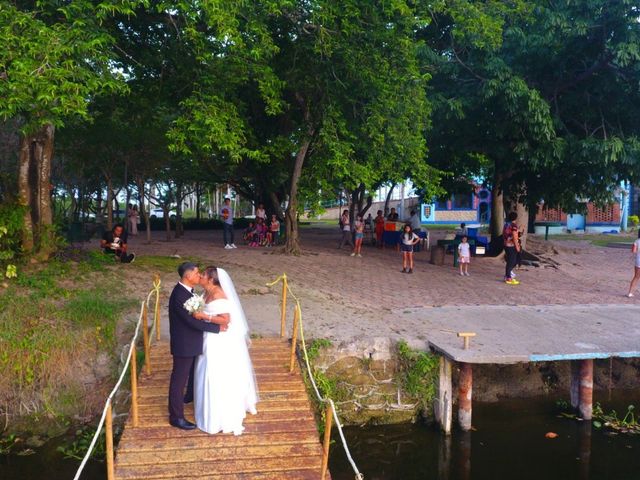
144 211
497 217
523 222
24 194
109 204
179 200
198 197
388 199
275 203
292 243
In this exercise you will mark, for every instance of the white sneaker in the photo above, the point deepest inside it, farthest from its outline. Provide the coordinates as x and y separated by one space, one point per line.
629 295
461 274
353 254
466 273
228 247
233 245
359 255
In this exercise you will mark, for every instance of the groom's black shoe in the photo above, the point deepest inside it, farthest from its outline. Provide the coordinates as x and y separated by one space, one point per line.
183 424
187 399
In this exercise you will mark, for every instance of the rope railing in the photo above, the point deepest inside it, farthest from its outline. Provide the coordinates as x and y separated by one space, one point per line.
130 362
330 412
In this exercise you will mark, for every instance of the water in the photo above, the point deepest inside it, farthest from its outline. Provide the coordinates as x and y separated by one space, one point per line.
47 463
508 443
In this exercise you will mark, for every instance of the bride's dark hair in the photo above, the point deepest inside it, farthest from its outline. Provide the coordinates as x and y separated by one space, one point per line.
212 274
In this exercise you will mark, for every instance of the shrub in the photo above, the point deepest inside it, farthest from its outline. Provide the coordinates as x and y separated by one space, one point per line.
634 220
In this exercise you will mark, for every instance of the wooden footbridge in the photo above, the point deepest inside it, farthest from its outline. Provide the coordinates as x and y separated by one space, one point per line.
280 442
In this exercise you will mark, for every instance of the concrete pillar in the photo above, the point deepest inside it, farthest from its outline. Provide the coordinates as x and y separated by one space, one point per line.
443 406
586 389
465 388
574 391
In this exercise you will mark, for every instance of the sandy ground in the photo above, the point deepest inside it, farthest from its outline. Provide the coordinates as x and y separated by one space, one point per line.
345 298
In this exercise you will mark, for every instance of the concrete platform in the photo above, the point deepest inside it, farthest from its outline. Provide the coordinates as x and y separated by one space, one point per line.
516 334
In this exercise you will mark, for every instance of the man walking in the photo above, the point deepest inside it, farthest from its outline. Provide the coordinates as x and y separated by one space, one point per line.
226 212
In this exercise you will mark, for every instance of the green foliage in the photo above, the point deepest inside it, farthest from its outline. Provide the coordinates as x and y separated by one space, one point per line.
628 424
418 374
78 448
634 220
11 221
317 344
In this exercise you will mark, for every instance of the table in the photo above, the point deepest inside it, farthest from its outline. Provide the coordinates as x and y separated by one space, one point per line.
546 226
455 242
394 238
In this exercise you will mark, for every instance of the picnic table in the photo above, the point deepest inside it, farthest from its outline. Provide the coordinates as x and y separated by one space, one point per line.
546 226
455 242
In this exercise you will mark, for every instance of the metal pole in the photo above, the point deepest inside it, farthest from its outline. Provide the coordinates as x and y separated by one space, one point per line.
294 337
108 433
145 338
283 314
586 389
134 387
327 440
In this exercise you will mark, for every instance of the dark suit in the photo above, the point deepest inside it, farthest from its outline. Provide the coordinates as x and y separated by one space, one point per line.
186 344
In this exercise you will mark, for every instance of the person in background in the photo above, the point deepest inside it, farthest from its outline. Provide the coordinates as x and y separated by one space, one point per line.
247 236
261 213
134 220
464 256
408 240
114 243
379 221
274 230
414 220
226 212
635 249
393 216
511 247
359 234
345 228
462 230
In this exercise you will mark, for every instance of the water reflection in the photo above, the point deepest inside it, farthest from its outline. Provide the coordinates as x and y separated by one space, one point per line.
508 443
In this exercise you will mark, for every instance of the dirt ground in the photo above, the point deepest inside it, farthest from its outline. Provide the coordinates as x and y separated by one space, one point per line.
346 298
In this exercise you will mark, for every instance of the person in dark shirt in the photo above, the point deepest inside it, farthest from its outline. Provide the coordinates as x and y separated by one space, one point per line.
115 243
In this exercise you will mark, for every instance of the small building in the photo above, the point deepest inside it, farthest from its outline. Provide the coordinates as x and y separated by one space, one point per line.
594 220
467 207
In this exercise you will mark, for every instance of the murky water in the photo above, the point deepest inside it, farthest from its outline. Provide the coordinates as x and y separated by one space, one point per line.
508 443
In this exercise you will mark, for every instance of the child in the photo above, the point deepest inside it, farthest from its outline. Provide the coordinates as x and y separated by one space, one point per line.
248 233
408 239
379 221
274 230
359 229
464 256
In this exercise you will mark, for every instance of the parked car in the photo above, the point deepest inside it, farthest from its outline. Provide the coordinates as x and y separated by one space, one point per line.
159 213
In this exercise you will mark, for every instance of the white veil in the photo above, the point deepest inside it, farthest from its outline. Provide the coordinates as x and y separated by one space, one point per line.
238 325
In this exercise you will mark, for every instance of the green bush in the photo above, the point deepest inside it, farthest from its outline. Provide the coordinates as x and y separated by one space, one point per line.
634 220
11 222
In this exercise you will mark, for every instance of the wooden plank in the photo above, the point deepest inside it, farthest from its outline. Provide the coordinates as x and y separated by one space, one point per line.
306 474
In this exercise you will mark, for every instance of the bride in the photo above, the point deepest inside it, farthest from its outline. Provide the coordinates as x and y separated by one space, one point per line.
224 381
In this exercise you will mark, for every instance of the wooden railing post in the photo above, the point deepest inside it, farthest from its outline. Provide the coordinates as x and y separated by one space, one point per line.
108 433
145 338
294 337
283 314
134 387
328 419
156 282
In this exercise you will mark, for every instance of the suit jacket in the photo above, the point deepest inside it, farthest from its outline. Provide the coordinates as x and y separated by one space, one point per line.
186 331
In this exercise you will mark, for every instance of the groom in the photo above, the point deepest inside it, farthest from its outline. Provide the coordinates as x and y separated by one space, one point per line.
186 341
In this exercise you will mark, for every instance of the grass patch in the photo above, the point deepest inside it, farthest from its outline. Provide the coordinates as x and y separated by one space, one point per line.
418 374
599 240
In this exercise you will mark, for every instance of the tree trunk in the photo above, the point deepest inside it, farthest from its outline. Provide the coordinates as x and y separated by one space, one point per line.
179 231
167 222
109 204
388 199
276 204
198 196
34 190
292 243
497 218
24 194
523 222
143 208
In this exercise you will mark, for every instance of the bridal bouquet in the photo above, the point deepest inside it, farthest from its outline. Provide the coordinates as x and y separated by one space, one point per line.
194 304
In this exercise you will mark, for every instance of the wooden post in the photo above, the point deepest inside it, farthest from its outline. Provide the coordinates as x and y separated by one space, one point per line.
134 387
443 407
294 337
328 418
157 308
466 336
283 314
145 338
465 389
108 433
586 389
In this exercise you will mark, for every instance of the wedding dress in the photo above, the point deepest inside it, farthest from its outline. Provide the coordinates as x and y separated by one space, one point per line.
224 380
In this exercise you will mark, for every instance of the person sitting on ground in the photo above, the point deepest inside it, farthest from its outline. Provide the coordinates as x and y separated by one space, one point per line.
247 236
114 242
393 216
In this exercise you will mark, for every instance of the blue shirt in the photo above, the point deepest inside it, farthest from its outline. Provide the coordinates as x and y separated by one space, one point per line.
229 219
